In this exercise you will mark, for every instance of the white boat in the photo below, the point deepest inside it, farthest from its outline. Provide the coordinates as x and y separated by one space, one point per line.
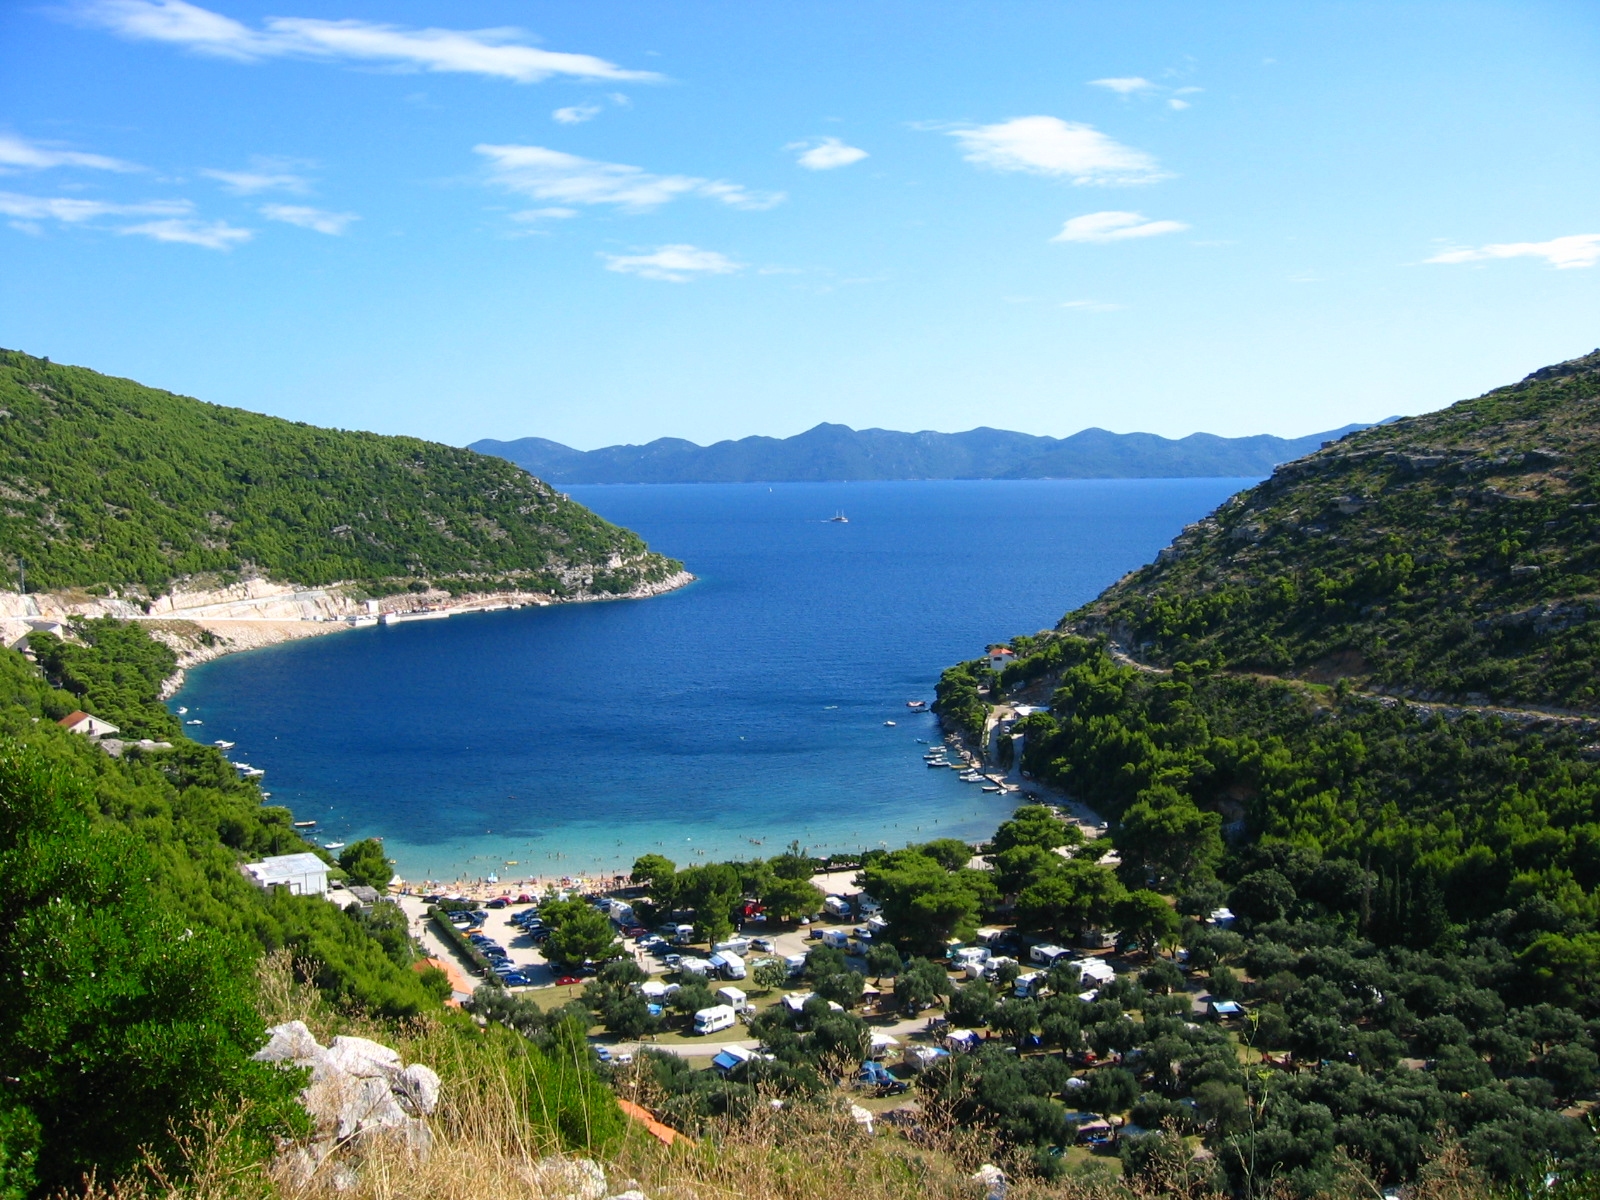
222 745
194 722
182 711
991 787
254 773
333 845
890 723
839 518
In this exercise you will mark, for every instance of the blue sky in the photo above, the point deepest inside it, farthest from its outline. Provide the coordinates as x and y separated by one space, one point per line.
608 222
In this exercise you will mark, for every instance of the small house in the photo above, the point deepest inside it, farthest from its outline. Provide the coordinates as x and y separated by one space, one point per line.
89 726
1225 1010
302 874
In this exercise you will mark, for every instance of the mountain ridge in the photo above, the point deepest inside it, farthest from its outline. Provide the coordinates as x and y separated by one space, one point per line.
831 452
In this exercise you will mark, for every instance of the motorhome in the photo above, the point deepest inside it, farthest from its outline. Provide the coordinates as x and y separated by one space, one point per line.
1046 954
835 939
738 945
1026 982
683 934
715 1019
837 906
729 965
734 998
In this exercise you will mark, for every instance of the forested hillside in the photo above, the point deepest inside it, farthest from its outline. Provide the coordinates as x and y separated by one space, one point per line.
106 483
1455 554
1307 710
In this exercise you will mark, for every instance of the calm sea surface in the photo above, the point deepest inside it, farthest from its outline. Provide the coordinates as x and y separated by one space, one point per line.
723 720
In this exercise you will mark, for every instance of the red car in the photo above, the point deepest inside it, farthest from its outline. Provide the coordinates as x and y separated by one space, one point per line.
566 980
526 899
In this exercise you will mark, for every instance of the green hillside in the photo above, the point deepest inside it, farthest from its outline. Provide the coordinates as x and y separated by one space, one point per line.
104 482
1455 555
1313 709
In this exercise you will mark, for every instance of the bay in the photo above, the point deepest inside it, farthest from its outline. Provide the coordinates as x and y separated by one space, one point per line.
722 720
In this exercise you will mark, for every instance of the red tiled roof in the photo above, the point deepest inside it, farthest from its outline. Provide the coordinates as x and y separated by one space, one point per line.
71 719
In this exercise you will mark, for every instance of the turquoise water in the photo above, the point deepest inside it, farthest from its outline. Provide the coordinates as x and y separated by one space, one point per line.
722 720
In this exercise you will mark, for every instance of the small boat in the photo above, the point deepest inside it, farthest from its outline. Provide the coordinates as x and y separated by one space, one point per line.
304 824
182 711
839 518
991 787
889 723
222 745
938 762
194 722
916 705
333 845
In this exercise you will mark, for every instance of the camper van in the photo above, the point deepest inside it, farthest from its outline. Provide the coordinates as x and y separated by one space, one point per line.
1026 982
836 906
682 935
734 998
729 965
1046 954
714 1019
835 939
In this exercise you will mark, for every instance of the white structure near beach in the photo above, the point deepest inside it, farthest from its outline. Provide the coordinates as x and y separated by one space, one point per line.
89 726
302 874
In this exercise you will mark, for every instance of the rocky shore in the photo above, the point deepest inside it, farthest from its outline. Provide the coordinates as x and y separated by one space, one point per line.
203 623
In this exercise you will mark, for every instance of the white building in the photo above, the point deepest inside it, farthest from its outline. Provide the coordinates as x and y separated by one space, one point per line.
302 874
82 722
1001 657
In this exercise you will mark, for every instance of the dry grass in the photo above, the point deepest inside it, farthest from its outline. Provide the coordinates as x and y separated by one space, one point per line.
487 1145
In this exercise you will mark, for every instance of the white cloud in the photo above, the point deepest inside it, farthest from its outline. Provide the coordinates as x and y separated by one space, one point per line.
566 179
494 52
1563 253
1051 146
309 218
1124 86
576 114
1177 105
72 211
265 176
531 215
18 153
1114 227
1091 306
177 222
213 235
825 154
675 264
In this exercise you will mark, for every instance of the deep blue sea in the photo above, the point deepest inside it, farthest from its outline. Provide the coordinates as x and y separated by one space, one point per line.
722 720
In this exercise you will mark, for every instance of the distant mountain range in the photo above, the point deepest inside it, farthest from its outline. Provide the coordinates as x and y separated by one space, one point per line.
837 452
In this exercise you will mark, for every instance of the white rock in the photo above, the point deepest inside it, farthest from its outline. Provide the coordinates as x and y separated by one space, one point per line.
363 1058
291 1042
344 1105
418 1089
569 1179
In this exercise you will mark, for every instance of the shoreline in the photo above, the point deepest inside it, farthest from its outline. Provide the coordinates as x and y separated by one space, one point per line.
206 624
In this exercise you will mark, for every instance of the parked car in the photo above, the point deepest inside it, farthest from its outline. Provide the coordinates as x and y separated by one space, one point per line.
567 980
526 899
516 979
500 902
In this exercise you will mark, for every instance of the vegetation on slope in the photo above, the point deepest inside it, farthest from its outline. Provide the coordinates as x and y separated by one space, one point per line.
1455 554
105 483
1416 885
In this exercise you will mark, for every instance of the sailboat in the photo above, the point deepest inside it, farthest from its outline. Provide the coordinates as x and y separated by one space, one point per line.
839 518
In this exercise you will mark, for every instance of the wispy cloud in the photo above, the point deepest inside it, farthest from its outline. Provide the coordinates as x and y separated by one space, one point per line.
264 175
20 154
1114 227
1124 85
826 154
213 235
1177 105
1092 306
1050 146
333 223
674 264
177 221
500 53
70 210
531 215
566 179
1563 253
576 114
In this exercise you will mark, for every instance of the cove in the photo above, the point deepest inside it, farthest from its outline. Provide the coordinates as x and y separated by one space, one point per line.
723 720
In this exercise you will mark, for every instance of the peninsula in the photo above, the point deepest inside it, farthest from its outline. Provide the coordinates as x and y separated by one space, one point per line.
223 529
